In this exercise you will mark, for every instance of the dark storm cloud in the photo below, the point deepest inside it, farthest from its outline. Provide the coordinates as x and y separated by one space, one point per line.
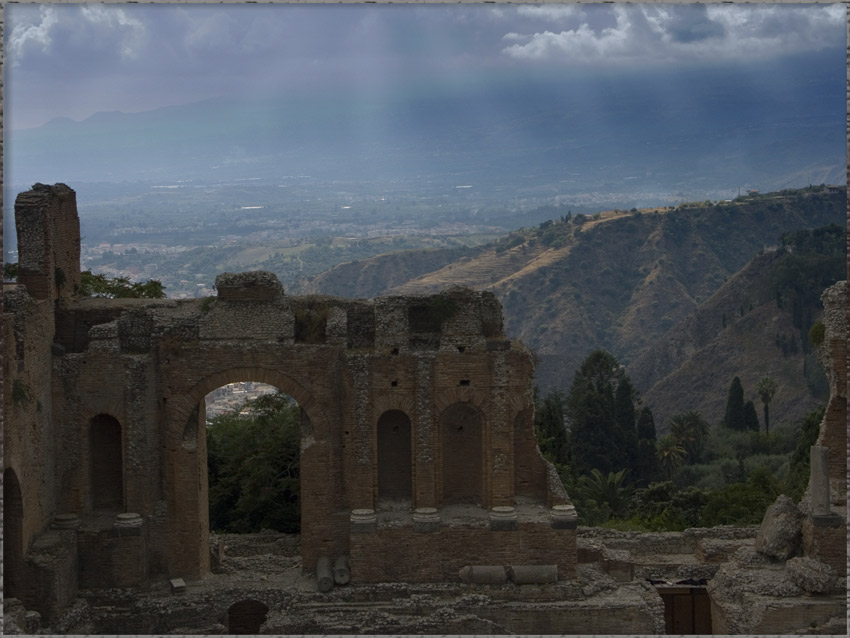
693 25
664 34
74 60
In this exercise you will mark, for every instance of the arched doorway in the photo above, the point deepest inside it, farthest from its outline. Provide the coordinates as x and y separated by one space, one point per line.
253 442
461 441
245 617
107 468
395 479
13 538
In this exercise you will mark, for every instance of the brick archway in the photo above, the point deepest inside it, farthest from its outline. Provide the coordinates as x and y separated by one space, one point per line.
186 469
188 403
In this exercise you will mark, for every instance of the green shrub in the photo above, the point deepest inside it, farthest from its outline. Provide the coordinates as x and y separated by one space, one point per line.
817 334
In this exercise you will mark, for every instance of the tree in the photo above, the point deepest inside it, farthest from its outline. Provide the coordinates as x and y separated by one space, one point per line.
767 389
100 285
734 419
690 431
596 442
671 455
608 491
647 469
253 466
751 417
549 426
807 431
624 415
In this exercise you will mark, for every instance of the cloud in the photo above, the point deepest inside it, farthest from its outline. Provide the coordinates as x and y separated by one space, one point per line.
29 34
131 31
651 33
551 12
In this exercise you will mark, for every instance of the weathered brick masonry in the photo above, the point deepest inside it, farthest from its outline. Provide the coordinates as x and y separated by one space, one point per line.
104 405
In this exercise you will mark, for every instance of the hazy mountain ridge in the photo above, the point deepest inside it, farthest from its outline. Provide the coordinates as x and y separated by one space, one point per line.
724 131
648 287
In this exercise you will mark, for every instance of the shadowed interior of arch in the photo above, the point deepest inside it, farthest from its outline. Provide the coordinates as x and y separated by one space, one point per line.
395 481
107 471
461 436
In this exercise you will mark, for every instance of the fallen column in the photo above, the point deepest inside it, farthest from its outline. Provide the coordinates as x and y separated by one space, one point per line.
483 574
532 574
324 575
342 571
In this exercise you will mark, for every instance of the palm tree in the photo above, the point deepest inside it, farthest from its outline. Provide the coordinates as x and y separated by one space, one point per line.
767 389
608 490
690 431
671 455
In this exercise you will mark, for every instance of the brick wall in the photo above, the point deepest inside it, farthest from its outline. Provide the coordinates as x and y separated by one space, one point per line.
399 554
129 387
827 544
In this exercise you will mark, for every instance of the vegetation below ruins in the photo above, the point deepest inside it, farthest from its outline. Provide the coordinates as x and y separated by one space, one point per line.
253 464
602 440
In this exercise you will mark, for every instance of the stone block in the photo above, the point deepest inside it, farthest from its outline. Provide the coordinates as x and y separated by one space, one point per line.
780 534
178 586
426 519
503 519
363 521
257 285
811 575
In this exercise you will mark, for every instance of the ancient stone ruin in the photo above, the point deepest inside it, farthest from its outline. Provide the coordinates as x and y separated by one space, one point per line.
426 505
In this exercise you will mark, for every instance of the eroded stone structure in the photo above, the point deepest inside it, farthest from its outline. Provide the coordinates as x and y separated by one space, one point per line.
421 483
417 451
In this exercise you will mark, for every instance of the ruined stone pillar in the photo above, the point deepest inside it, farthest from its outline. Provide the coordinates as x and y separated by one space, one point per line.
48 230
819 480
425 435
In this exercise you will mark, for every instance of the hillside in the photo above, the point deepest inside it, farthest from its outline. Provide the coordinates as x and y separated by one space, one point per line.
371 277
623 279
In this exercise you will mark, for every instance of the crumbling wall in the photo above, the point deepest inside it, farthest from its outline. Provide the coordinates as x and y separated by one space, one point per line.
48 241
28 430
121 387
833 357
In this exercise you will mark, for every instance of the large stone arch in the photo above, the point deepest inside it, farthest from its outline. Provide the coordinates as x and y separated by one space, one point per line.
186 478
186 405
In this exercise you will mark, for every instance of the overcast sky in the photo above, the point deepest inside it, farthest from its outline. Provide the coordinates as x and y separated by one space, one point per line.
75 60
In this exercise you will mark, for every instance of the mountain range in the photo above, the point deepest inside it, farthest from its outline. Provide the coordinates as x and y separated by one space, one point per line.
697 136
686 298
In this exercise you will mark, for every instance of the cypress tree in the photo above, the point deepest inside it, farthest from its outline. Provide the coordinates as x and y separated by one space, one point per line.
751 417
734 419
647 468
624 414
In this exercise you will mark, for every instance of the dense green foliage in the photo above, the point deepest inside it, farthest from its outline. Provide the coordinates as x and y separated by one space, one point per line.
99 285
253 462
611 462
798 475
549 427
601 411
